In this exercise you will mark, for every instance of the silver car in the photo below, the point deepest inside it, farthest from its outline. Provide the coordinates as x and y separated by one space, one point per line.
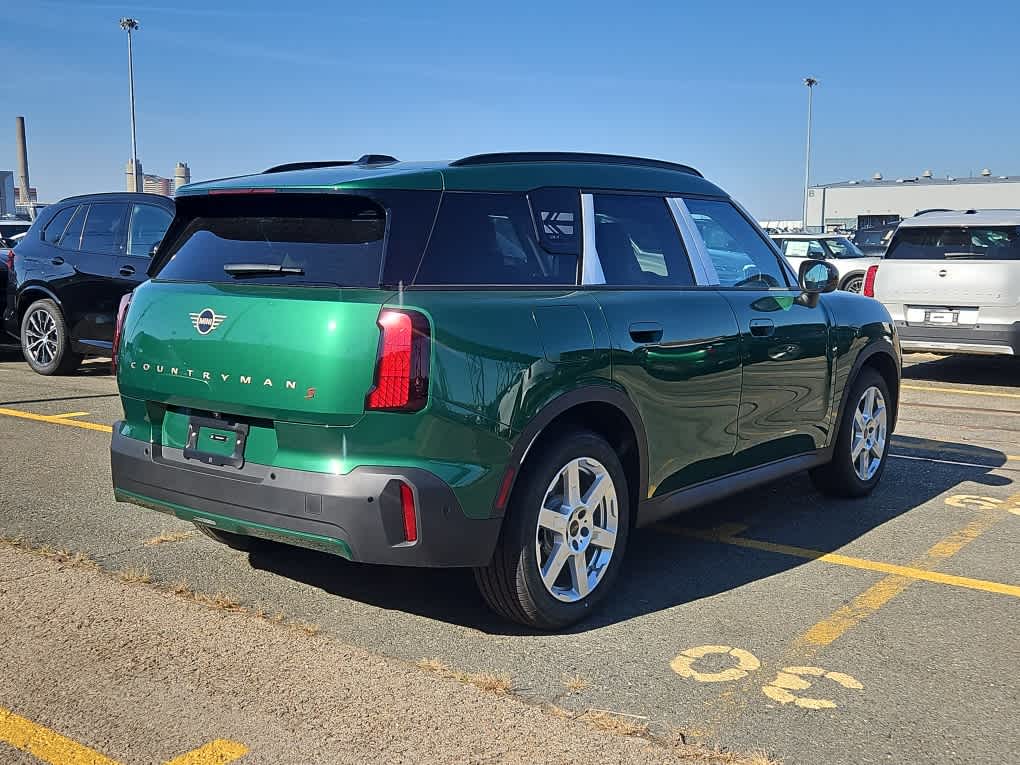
951 281
851 263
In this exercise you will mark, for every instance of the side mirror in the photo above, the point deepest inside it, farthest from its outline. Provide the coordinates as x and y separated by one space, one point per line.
816 277
816 255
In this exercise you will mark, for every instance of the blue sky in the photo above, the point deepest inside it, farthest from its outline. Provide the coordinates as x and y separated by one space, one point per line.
232 87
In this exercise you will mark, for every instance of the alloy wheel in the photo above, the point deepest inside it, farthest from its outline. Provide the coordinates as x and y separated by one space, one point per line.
867 444
577 529
41 336
855 285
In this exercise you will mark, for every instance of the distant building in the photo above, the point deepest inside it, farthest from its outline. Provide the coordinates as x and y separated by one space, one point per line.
182 175
156 184
873 202
7 204
33 200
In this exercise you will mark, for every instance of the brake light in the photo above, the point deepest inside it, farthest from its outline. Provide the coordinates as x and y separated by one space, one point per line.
869 281
118 329
402 364
410 516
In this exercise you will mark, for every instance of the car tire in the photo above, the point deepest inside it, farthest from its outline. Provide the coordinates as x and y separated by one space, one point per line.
863 437
583 540
853 283
240 542
45 342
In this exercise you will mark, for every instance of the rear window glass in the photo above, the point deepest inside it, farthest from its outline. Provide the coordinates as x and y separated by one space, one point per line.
482 238
956 243
315 240
55 228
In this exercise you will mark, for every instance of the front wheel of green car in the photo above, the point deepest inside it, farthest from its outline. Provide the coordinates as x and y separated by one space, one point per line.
234 541
564 537
862 443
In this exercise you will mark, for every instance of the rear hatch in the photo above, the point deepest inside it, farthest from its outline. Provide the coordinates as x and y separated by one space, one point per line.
951 274
267 305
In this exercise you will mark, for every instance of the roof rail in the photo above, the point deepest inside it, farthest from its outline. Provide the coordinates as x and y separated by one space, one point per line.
305 166
506 158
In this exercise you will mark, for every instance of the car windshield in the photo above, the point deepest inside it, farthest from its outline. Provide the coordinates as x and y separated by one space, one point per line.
843 248
956 243
873 238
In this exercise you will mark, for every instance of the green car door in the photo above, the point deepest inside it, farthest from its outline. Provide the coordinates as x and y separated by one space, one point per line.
675 346
787 365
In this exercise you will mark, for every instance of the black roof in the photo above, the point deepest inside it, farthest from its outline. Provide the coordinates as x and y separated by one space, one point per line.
512 157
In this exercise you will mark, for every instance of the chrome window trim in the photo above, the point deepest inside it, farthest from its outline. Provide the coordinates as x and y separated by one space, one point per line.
591 265
705 274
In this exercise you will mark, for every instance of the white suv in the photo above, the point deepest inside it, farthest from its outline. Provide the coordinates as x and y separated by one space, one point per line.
951 281
851 263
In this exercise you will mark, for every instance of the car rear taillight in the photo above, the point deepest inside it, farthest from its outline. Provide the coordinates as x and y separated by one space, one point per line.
410 515
118 329
402 365
869 281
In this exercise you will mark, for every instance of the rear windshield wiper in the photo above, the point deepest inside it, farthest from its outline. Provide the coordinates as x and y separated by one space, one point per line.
261 269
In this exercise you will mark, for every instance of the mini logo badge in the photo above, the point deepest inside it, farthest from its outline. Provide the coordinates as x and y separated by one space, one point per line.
206 320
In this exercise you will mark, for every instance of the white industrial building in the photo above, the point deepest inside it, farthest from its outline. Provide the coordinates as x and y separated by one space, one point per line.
862 204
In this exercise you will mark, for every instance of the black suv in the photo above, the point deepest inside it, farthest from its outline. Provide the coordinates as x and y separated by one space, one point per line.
66 277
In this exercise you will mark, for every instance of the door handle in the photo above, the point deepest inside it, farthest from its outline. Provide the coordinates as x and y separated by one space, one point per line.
762 327
127 270
646 332
57 261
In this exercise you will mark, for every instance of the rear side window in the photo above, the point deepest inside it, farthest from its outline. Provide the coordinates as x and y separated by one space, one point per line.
105 226
55 228
638 243
740 256
322 239
71 238
491 239
558 219
146 227
956 243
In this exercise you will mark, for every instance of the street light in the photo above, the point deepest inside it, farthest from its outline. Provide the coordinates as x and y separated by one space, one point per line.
810 82
129 26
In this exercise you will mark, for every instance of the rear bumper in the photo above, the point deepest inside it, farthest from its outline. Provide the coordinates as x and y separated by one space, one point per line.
357 515
1002 339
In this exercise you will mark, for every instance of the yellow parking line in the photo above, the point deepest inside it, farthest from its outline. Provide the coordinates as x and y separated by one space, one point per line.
961 391
846 560
218 752
54 420
880 593
51 747
69 415
45 744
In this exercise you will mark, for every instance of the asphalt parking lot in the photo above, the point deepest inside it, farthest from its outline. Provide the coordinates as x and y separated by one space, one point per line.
879 630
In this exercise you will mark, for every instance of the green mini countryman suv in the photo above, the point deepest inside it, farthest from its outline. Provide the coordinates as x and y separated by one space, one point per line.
504 362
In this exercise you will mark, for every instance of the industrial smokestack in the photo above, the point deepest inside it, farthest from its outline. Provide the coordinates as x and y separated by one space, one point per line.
23 184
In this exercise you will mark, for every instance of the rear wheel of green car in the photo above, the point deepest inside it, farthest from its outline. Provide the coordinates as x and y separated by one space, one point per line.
564 537
234 541
862 443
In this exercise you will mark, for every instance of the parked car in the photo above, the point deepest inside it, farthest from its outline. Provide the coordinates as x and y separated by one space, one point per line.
850 262
67 275
503 362
951 281
11 229
874 241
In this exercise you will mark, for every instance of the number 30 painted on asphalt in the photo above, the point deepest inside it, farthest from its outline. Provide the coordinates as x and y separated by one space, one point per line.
780 689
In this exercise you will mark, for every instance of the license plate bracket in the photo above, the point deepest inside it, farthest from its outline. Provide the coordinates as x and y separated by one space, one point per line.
216 442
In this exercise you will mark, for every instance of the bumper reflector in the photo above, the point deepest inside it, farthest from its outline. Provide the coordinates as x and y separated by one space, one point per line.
410 515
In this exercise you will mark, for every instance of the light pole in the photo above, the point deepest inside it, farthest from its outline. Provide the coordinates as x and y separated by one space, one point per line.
129 26
810 82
